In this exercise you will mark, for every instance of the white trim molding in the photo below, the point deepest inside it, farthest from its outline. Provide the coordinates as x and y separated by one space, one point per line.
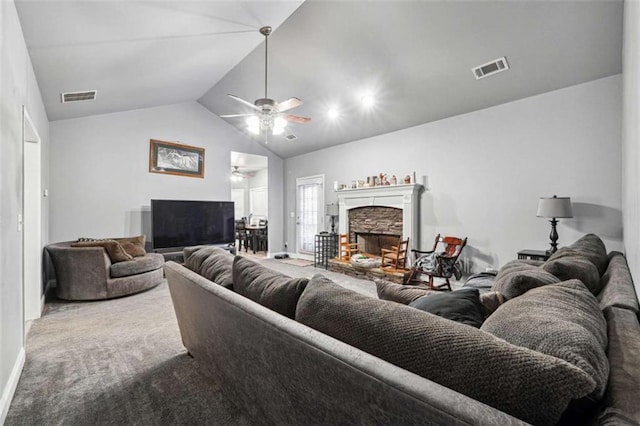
405 197
10 388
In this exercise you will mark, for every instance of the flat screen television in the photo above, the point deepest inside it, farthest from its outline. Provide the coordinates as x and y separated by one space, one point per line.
180 223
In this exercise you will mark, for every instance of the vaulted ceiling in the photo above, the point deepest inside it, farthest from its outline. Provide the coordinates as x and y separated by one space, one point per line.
414 57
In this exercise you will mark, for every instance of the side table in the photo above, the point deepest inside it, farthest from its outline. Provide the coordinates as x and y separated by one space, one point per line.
533 254
325 248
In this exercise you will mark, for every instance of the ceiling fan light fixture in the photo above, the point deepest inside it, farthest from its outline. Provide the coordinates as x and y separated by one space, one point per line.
267 115
253 125
279 125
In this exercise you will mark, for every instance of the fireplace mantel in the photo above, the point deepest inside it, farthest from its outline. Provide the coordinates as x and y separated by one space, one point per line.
405 197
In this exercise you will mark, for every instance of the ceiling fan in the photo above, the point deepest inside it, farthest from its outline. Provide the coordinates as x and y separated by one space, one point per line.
236 175
268 116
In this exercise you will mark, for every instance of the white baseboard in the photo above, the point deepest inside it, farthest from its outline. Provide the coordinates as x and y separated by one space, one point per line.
10 388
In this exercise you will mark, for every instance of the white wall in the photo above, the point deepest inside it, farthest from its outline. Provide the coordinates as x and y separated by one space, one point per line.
631 136
486 170
18 87
100 180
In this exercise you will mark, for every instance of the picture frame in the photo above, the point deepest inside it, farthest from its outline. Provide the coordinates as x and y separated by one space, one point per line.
176 159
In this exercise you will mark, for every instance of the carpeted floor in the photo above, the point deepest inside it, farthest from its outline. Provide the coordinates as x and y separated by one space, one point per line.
121 362
114 362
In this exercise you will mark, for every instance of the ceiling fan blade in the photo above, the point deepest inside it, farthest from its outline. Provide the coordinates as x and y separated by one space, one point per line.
288 104
296 118
242 101
235 115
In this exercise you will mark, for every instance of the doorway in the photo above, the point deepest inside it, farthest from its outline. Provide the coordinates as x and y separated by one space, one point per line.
309 212
33 295
250 188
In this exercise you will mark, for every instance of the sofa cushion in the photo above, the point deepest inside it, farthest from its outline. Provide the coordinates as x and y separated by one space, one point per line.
562 320
592 247
527 384
617 285
194 256
621 398
462 306
138 265
218 267
278 292
113 248
133 245
404 294
568 264
516 278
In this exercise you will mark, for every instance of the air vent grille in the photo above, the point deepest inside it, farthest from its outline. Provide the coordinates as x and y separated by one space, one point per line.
291 137
490 68
88 95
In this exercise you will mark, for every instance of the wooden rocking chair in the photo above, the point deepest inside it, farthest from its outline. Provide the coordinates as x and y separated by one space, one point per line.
437 264
346 249
395 258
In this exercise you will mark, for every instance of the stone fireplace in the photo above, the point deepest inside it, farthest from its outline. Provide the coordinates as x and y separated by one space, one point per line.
377 217
375 227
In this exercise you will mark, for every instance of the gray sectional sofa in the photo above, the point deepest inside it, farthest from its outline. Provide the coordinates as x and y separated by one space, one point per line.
307 351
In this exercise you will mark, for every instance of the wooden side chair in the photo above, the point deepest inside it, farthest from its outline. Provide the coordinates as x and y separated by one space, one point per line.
346 249
396 257
437 264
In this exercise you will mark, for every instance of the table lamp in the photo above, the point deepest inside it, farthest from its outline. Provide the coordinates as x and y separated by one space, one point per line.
554 208
332 211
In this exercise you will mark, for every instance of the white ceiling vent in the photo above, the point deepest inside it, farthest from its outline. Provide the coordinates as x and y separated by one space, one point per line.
88 95
490 68
291 137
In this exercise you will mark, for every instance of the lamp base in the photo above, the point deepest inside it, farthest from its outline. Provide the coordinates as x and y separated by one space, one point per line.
553 236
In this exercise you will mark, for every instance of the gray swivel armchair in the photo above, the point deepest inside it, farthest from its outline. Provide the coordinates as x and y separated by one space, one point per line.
87 273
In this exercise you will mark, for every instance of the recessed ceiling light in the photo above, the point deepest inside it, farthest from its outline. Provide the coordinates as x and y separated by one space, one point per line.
333 113
368 101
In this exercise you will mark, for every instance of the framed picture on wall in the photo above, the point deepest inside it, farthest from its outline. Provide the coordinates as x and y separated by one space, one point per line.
176 159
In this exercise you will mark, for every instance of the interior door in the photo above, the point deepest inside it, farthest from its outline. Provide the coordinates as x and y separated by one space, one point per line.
309 208
32 221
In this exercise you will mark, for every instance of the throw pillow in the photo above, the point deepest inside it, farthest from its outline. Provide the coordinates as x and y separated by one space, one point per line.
491 301
278 292
567 264
217 267
400 293
113 248
462 306
516 278
563 320
592 247
527 384
133 245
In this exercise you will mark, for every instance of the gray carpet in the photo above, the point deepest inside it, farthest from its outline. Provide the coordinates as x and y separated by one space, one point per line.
114 362
121 362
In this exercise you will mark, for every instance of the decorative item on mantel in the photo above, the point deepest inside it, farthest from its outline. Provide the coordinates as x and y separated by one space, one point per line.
381 179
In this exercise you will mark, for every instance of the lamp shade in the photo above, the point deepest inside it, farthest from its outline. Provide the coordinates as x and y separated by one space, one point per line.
554 207
332 209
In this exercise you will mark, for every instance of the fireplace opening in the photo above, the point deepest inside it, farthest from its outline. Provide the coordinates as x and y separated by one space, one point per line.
373 243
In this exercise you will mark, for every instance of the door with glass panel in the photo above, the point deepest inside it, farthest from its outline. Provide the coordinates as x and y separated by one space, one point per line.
309 211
